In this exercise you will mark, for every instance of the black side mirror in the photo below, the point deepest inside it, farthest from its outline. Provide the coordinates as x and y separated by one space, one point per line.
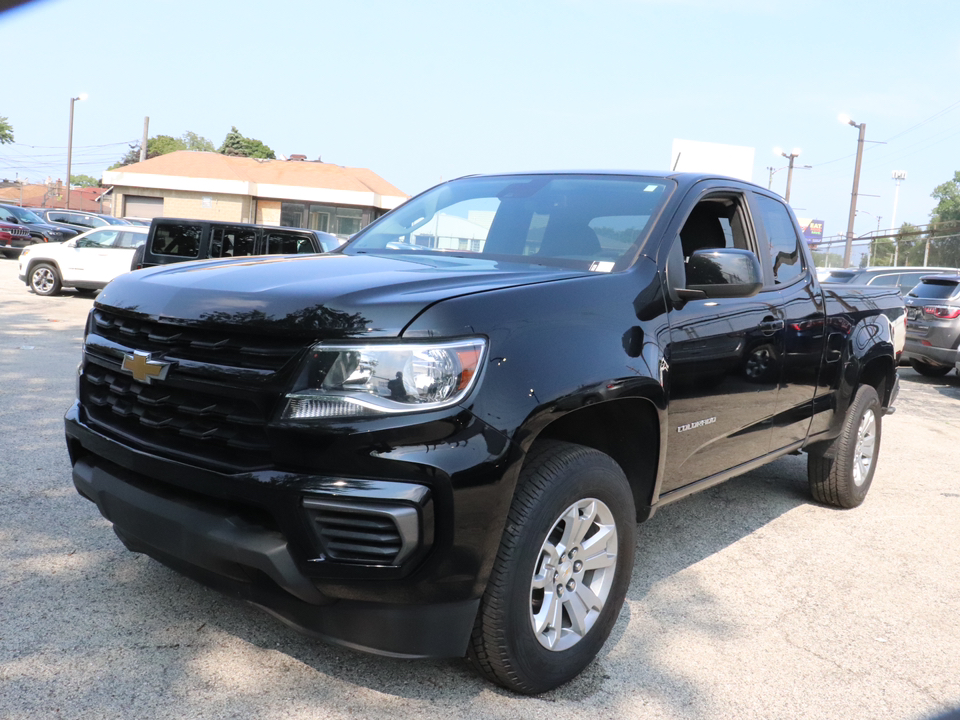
722 273
13 220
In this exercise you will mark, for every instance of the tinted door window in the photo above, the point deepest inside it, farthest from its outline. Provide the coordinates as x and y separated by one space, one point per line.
885 280
286 243
783 240
177 240
232 241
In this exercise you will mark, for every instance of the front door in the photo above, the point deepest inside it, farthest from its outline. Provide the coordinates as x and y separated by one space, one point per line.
723 358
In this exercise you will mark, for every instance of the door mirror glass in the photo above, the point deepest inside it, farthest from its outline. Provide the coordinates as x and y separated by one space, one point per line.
722 273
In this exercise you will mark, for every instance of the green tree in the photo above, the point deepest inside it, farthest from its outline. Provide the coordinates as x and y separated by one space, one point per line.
197 142
6 131
945 230
237 145
163 144
83 181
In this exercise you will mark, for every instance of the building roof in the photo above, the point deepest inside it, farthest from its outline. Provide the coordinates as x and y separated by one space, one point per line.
282 179
88 198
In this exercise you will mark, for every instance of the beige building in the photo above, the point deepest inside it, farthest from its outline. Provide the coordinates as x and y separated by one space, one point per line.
211 186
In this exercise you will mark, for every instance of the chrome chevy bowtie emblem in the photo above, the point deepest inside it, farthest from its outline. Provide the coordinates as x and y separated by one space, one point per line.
143 368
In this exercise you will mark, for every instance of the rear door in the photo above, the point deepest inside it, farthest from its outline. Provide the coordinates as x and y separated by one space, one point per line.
801 333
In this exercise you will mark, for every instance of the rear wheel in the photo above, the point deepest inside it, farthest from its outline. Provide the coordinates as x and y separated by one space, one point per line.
841 473
562 571
930 370
44 279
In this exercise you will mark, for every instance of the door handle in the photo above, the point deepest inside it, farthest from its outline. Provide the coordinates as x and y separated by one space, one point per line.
769 327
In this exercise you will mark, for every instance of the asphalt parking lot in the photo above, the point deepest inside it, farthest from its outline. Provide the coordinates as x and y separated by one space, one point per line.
747 601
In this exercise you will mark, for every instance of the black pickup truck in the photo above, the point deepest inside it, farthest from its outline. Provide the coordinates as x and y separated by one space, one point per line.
438 440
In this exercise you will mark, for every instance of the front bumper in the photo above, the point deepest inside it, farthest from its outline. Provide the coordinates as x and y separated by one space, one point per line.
249 536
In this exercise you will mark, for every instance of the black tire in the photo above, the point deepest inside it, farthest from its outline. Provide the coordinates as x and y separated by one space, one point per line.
44 279
504 646
925 368
841 472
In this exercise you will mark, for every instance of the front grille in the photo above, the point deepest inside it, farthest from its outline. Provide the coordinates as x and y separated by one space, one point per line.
185 424
213 406
225 347
371 534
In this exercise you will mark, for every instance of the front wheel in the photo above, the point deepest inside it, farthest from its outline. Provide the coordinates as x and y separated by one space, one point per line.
44 279
841 473
925 368
562 571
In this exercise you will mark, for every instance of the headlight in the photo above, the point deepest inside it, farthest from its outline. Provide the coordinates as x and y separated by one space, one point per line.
25 252
369 380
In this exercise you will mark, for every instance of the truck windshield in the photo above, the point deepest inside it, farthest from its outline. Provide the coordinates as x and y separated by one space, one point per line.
593 222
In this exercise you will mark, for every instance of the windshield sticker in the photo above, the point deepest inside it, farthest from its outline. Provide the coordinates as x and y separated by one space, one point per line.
651 188
602 266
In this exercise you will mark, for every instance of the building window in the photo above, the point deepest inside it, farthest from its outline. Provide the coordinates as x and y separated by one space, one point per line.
341 221
292 214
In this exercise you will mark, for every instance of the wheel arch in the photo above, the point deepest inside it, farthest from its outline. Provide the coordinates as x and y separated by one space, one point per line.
33 262
628 430
879 374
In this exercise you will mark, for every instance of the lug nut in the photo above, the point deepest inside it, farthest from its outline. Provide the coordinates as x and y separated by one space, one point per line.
572 554
559 590
577 566
572 585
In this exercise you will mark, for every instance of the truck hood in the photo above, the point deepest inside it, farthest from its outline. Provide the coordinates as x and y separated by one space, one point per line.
318 296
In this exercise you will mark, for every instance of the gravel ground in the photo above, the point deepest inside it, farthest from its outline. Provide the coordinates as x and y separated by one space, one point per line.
747 601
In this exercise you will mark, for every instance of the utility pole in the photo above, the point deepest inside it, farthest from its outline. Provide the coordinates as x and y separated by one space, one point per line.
143 143
848 250
81 96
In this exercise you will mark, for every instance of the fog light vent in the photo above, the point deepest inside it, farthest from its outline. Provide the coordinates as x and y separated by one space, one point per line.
367 533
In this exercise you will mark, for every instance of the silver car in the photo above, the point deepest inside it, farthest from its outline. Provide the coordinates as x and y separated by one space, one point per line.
933 325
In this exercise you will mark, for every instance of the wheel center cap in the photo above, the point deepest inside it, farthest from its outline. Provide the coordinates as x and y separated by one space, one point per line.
566 571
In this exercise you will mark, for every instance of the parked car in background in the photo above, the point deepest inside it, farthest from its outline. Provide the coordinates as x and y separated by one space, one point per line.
37 227
138 221
904 278
13 238
933 325
77 220
179 239
86 262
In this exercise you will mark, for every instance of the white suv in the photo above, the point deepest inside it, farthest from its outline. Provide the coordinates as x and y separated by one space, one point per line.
86 262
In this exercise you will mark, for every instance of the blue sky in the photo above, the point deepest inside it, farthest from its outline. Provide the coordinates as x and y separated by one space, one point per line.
425 91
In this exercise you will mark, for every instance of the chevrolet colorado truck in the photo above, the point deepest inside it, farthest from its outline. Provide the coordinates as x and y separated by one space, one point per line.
438 440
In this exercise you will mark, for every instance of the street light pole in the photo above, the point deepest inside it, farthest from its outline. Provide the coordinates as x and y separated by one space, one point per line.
898 175
81 96
848 250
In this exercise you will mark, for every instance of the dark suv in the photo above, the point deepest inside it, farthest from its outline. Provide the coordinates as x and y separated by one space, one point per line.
39 230
933 325
177 239
902 277
77 221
